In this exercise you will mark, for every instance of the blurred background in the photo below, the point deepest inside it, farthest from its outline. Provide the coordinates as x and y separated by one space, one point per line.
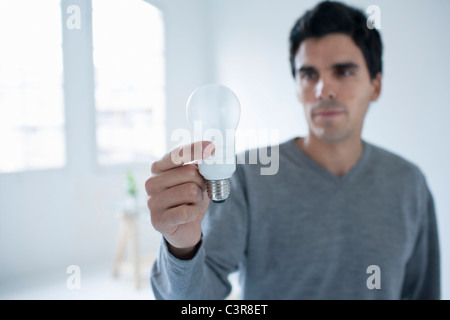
91 91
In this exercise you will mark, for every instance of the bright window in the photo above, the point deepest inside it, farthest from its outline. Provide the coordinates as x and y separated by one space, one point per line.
128 40
31 95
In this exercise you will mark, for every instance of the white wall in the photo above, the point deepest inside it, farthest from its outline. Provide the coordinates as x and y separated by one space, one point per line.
51 219
55 218
411 117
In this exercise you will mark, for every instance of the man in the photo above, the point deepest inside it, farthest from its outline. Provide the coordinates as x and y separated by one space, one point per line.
342 218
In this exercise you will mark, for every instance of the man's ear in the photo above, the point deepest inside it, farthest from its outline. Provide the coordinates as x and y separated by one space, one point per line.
376 83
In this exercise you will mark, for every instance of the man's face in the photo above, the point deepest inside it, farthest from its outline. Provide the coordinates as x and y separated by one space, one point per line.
334 86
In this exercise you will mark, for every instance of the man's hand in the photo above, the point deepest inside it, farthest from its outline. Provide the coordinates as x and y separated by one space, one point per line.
177 197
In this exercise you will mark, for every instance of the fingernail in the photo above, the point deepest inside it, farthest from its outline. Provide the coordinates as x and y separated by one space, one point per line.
208 148
205 144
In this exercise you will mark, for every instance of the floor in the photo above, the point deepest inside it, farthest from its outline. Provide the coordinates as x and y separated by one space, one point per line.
95 284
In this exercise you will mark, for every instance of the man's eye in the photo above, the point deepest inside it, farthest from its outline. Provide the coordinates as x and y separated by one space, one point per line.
308 75
344 72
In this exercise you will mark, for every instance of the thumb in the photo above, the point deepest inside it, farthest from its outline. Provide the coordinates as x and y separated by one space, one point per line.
208 149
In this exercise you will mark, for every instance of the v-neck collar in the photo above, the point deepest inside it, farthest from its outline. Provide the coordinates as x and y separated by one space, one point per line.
327 175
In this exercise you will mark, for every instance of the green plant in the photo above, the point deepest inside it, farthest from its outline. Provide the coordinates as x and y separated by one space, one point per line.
131 184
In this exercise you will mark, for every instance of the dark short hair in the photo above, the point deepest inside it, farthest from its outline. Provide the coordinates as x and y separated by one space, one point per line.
334 17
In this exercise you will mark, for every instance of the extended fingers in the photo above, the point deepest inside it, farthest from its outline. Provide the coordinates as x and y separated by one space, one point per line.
183 154
186 193
175 216
174 177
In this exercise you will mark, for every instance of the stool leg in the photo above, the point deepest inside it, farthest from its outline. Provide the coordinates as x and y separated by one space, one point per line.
135 253
121 245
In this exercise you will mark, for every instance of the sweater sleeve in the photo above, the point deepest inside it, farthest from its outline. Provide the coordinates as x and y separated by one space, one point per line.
221 251
422 277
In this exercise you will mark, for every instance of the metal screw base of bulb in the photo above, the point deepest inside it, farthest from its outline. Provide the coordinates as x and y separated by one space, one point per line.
218 190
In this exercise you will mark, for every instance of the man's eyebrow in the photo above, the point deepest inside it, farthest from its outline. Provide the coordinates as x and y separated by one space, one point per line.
340 65
307 68
345 65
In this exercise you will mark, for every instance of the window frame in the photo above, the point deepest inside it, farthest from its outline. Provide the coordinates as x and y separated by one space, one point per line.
62 126
159 6
79 92
78 95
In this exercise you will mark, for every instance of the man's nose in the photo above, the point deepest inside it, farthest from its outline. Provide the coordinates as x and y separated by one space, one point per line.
325 90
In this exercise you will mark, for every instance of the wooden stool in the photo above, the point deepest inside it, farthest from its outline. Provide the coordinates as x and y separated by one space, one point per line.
128 235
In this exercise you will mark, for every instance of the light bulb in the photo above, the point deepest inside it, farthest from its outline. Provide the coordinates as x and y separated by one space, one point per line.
213 111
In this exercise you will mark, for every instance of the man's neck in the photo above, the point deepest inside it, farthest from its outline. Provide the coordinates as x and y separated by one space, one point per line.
337 158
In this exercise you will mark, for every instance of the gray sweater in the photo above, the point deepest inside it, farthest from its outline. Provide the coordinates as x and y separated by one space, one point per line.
304 233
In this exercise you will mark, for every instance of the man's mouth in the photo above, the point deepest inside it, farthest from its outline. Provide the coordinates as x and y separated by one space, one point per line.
328 113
